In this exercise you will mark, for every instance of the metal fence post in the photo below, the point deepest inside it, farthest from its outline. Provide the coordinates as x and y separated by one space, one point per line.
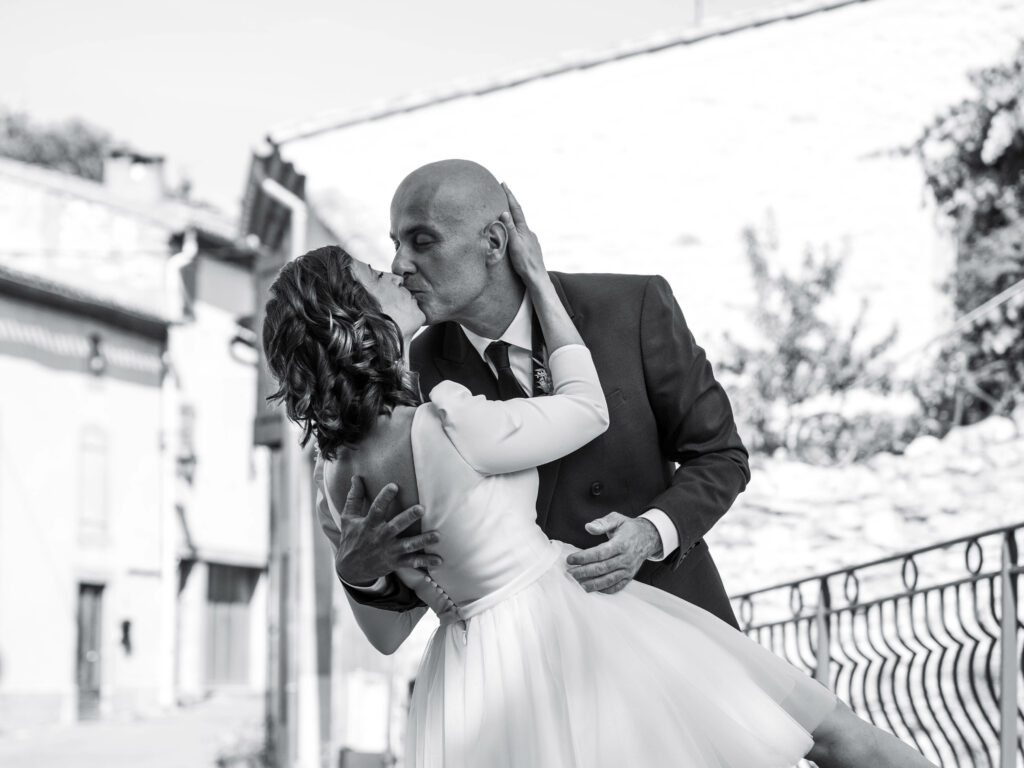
1008 648
824 649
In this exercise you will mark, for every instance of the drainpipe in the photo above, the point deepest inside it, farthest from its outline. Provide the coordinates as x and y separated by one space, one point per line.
303 688
175 265
170 644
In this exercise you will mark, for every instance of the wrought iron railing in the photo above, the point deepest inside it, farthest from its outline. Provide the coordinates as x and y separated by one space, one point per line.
926 644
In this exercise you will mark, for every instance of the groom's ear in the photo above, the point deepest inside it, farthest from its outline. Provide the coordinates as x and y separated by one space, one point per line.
497 242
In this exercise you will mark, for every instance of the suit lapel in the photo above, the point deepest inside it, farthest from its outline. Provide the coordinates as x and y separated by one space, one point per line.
460 362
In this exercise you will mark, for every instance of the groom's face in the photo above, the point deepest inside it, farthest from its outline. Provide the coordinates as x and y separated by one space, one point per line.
440 251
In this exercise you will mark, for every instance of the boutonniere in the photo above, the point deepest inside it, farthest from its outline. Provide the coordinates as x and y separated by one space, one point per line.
541 377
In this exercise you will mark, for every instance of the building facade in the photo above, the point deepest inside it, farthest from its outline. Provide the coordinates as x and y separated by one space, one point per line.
133 515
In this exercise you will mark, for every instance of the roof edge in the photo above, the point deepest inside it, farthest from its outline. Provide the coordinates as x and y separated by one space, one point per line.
172 215
340 120
39 290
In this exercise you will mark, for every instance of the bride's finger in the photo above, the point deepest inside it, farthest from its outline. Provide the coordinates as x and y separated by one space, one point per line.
514 208
506 218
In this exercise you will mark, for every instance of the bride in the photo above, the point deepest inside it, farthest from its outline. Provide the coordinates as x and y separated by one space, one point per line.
527 669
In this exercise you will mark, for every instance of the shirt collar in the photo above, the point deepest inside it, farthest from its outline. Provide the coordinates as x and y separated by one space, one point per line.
519 332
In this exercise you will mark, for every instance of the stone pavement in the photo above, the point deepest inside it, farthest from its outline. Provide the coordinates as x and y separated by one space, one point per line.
193 736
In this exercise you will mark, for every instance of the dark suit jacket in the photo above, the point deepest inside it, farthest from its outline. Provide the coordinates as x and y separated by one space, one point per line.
665 406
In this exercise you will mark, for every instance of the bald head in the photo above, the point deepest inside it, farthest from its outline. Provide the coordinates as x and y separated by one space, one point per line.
459 192
450 247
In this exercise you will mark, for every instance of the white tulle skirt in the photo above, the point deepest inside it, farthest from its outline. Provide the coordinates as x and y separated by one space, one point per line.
555 677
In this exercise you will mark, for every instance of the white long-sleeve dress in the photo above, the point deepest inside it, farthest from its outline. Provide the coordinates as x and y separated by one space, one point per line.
528 670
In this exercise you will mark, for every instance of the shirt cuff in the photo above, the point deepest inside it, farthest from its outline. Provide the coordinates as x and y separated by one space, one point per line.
666 531
379 587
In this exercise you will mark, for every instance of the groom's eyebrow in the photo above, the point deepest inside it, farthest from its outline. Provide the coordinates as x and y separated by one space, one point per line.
414 229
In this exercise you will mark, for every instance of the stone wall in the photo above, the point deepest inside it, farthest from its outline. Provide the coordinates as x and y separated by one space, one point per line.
797 520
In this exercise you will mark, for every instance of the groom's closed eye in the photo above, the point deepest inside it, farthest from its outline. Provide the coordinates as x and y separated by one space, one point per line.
418 238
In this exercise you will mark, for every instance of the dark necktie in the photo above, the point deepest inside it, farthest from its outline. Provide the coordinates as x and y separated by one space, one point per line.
508 385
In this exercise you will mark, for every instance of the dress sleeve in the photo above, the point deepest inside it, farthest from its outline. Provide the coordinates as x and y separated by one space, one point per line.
496 437
386 630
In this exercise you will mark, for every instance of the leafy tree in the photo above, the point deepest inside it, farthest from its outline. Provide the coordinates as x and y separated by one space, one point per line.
73 146
973 158
786 387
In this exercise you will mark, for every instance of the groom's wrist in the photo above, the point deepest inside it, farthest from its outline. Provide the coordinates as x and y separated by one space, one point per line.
666 537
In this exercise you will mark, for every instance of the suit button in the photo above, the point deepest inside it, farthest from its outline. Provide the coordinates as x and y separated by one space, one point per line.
596 489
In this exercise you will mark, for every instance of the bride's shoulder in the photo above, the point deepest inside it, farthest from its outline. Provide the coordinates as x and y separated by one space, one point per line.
334 476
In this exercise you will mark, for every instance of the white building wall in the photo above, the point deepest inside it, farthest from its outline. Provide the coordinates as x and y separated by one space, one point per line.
80 239
226 505
71 442
191 678
258 635
50 489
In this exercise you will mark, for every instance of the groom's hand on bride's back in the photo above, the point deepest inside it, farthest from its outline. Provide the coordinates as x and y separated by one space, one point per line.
372 545
610 566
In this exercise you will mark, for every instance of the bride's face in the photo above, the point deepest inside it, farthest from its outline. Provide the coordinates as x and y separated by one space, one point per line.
396 302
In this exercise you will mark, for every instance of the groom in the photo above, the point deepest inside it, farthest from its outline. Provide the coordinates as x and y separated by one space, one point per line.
621 498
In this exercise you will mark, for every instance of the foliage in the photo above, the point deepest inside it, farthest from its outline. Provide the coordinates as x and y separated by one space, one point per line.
973 158
73 147
792 389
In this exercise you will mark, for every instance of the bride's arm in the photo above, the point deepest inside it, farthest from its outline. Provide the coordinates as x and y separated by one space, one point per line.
385 629
497 437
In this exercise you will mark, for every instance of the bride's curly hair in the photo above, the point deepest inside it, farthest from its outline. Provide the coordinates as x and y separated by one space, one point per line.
336 356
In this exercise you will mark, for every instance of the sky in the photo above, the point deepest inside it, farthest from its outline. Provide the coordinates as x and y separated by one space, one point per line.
202 81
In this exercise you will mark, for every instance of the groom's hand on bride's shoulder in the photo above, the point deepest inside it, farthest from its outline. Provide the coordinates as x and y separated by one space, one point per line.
610 566
372 545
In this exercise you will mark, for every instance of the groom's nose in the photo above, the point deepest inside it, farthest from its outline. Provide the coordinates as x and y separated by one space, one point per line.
400 265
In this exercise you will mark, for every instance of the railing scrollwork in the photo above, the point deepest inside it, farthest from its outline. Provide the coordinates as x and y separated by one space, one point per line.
927 643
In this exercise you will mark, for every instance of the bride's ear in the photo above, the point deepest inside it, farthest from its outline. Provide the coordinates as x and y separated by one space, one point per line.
497 242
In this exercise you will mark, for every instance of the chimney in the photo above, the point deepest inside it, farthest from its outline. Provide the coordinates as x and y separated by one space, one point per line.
134 176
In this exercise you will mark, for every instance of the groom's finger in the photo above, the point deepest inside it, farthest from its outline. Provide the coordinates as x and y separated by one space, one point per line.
600 568
354 499
378 509
404 519
617 587
609 522
412 544
603 551
602 583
